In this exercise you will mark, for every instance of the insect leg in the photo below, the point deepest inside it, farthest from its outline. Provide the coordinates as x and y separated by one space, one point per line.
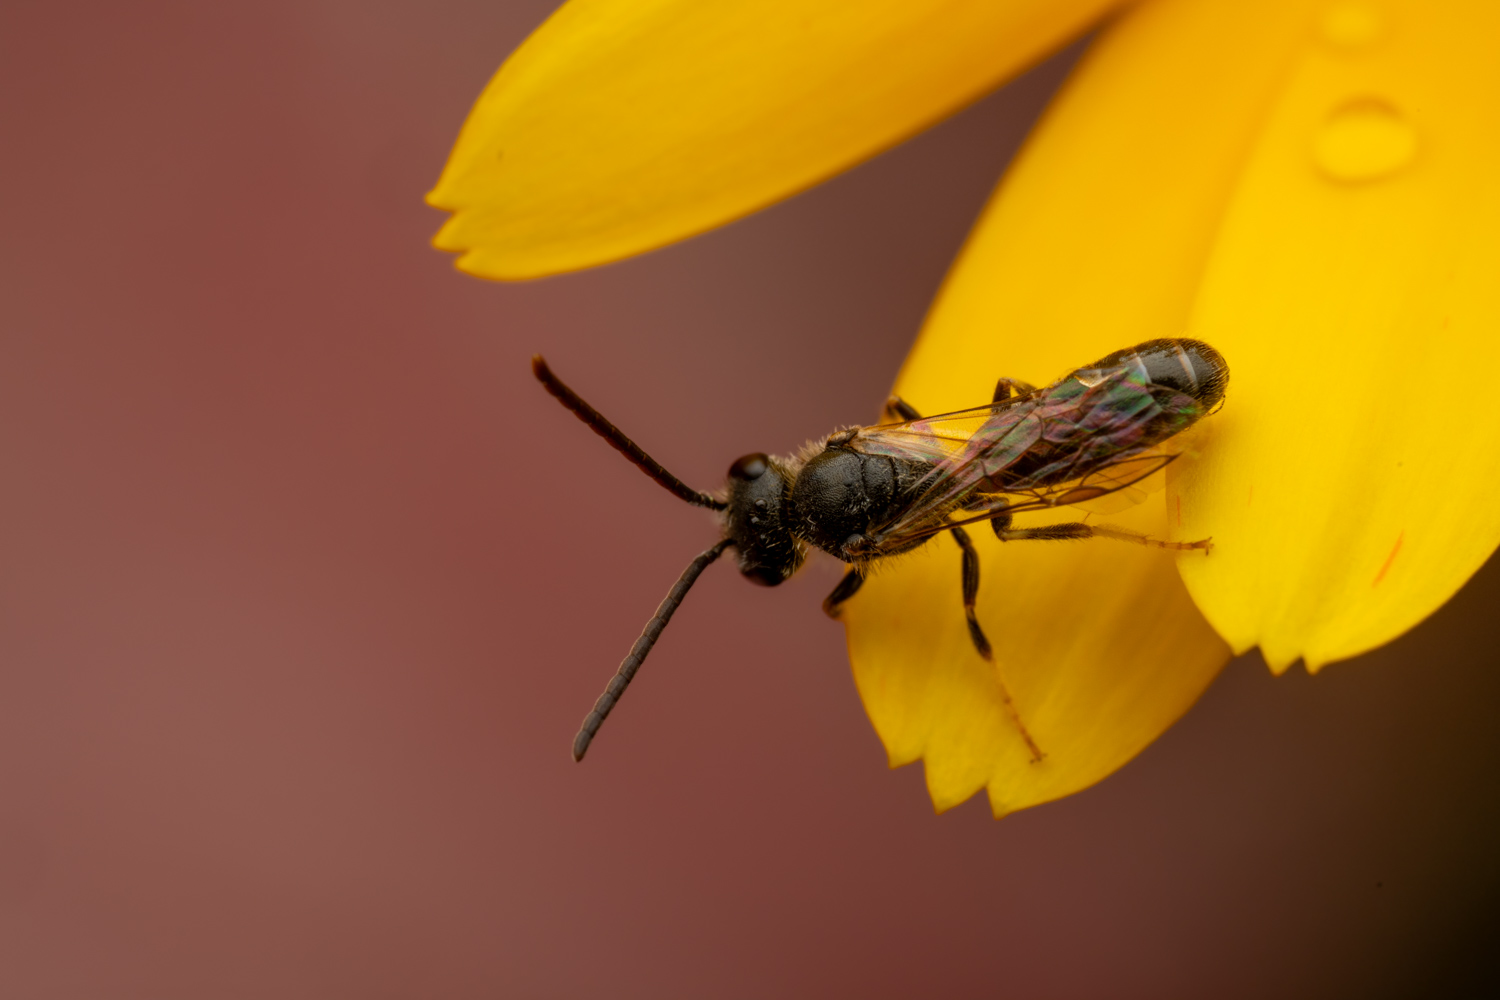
1125 535
1077 529
971 592
847 588
1008 387
897 408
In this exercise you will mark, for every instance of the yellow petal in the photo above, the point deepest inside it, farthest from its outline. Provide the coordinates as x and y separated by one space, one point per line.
1095 241
1098 643
1355 290
622 125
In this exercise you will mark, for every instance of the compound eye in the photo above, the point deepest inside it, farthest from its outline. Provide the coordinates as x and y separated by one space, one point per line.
751 466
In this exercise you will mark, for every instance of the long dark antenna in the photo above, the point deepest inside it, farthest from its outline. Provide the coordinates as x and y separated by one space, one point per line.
617 438
637 655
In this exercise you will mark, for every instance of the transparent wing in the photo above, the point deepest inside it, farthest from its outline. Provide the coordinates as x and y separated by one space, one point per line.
1128 496
1121 485
1114 487
1109 489
966 451
939 439
1073 443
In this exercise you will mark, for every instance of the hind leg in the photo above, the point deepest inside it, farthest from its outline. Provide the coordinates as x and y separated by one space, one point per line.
1077 530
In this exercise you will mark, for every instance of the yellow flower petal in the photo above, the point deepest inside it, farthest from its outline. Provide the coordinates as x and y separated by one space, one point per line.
1095 241
622 125
1099 645
1355 290
1323 174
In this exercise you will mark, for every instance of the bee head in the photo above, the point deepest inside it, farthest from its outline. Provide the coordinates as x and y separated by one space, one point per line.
756 520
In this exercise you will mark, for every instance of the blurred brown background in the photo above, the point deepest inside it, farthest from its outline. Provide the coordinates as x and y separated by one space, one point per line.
306 586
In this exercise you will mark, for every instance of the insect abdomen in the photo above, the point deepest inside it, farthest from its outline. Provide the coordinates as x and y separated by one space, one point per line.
1093 416
1190 367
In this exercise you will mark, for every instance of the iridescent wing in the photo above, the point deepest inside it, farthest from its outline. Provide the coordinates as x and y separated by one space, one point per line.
1114 487
1130 495
1074 442
1118 481
940 438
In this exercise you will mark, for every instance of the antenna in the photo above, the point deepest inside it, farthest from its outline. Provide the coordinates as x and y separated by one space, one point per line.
637 655
621 443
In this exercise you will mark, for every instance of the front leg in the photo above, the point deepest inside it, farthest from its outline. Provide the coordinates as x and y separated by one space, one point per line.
847 588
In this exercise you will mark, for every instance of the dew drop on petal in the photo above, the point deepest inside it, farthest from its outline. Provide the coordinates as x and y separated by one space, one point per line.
1350 25
1364 140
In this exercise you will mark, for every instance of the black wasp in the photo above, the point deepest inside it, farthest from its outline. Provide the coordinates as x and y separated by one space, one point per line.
865 493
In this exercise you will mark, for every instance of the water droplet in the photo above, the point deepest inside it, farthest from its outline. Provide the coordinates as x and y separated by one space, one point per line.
1364 140
1351 25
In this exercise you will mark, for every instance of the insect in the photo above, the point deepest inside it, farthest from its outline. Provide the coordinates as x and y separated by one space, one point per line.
863 494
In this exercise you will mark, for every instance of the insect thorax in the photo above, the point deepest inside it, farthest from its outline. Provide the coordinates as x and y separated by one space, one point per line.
841 495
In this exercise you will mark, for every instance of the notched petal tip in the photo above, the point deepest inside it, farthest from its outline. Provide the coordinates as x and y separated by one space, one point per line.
1094 689
1102 648
628 126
